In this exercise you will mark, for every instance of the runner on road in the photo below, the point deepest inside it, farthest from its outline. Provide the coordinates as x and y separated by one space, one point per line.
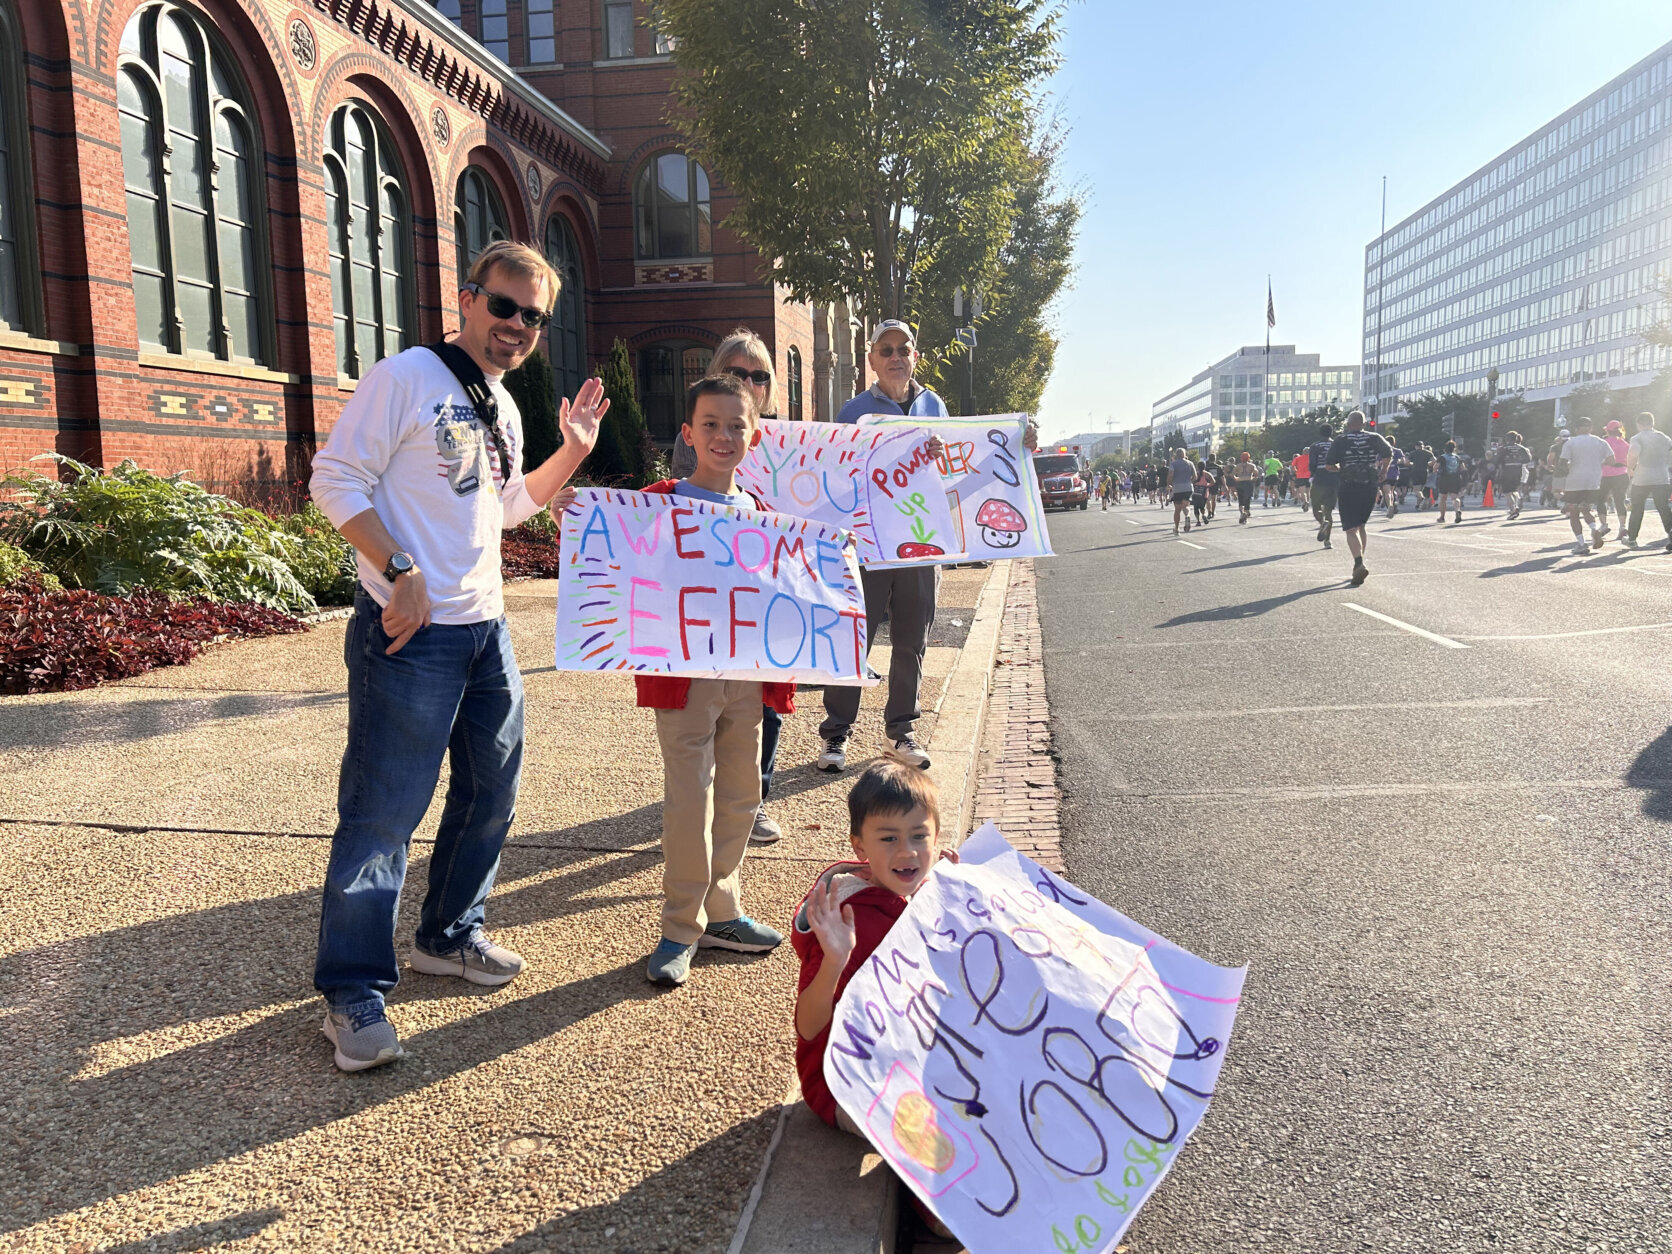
1582 461
1244 475
1514 460
1182 473
1422 461
1390 485
1650 460
1325 484
1449 484
1300 465
1360 457
1216 482
1615 478
1274 477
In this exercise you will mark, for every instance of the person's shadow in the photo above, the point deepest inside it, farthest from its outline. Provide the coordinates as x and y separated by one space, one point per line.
1249 609
1651 770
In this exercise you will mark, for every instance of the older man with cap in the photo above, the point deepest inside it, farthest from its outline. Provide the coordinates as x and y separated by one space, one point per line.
904 597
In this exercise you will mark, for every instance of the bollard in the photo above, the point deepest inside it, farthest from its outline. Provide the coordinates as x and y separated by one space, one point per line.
1487 503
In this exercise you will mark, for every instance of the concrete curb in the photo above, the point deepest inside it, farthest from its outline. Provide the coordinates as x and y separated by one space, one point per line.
818 1189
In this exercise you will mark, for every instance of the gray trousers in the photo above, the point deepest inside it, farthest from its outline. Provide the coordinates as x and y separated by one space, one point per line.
906 599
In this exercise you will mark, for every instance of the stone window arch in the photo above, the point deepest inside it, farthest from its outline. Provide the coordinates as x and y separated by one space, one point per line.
478 216
369 225
567 345
672 214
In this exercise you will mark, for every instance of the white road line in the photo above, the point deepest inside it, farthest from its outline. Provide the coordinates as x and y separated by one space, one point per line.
1569 635
1477 703
1189 545
1415 631
1133 521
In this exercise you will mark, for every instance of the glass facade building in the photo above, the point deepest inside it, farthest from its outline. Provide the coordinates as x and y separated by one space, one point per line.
1543 264
1246 389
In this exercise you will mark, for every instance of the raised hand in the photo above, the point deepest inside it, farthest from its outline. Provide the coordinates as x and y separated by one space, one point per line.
579 420
832 923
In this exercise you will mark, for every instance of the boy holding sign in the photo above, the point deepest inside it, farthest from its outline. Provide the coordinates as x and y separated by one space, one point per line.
709 730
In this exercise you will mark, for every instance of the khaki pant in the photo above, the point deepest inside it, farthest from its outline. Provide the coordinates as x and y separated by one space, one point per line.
711 779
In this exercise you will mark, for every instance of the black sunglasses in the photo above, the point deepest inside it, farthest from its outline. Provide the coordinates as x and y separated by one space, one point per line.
760 378
891 350
504 307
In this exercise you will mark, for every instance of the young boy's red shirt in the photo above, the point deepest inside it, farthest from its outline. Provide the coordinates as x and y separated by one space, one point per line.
875 911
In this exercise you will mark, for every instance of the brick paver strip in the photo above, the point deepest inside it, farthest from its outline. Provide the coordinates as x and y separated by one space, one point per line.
1018 788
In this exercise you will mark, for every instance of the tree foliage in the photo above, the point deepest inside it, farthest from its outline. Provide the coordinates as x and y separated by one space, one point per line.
533 387
871 144
620 456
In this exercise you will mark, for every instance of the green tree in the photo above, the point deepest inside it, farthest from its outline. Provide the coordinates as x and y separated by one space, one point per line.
1017 348
870 143
619 458
532 386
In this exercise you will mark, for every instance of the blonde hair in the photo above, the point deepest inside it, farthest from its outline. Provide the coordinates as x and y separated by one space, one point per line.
518 260
743 342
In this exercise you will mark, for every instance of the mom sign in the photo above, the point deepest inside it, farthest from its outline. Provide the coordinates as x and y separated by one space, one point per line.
654 584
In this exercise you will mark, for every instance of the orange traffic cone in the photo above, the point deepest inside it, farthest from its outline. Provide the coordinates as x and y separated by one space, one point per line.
1487 503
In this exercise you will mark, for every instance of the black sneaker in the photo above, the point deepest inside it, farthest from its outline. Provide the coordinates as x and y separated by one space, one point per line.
1361 572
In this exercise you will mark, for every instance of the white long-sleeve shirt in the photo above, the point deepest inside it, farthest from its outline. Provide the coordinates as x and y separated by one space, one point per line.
409 445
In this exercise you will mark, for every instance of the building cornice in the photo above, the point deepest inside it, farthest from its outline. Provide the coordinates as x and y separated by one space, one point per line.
415 34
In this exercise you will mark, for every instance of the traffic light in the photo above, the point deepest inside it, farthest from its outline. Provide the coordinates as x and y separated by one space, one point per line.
1370 424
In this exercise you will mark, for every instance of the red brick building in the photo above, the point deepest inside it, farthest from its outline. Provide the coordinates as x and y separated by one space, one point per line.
216 214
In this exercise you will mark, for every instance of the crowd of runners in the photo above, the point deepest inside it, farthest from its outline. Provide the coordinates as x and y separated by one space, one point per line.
1356 471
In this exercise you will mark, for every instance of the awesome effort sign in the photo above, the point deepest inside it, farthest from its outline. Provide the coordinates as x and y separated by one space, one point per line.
667 585
1029 1060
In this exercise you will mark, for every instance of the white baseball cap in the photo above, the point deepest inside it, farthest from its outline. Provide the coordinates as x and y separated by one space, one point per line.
893 324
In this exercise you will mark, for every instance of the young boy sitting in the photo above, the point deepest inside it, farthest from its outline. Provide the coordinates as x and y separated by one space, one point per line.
894 824
709 729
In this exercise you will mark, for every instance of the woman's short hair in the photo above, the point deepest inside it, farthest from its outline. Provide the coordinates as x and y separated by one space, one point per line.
743 342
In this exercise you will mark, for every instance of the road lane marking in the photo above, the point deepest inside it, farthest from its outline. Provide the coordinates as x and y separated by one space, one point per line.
1328 792
1475 703
1189 545
1569 635
1133 521
1444 641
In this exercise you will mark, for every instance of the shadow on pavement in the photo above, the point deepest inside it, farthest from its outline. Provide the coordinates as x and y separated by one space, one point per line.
1249 609
201 1236
72 724
1528 567
1247 561
1651 771
126 1127
680 1192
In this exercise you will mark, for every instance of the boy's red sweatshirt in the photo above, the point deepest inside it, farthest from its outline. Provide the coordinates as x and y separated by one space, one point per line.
874 913
670 692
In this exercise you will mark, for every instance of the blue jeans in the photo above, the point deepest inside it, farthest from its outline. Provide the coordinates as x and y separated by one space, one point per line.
452 690
772 727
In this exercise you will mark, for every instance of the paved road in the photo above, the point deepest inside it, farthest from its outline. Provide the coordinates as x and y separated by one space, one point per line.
1441 841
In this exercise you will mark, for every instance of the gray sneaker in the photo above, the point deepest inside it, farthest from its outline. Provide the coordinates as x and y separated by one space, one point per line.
765 831
363 1035
911 752
669 963
835 755
742 934
478 960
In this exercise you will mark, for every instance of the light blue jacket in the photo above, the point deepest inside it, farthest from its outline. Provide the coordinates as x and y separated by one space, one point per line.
922 403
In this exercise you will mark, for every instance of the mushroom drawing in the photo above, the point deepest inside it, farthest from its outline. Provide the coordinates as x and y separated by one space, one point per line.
1001 526
913 550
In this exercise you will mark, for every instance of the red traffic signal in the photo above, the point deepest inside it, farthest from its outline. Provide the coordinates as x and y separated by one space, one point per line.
1371 424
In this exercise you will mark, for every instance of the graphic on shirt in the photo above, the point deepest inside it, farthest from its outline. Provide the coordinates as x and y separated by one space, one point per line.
458 438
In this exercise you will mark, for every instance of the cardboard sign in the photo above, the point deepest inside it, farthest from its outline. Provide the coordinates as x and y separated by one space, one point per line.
667 585
881 485
1029 1060
989 482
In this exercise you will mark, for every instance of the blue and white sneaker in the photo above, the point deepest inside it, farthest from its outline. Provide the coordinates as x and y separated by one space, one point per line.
363 1036
670 963
741 934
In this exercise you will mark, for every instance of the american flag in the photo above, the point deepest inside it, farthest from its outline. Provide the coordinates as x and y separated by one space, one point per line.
1271 309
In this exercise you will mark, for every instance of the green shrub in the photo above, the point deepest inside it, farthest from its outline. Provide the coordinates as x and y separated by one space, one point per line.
533 387
126 528
323 562
15 564
618 459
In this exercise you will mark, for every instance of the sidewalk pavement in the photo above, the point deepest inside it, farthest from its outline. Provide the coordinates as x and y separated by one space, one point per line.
164 843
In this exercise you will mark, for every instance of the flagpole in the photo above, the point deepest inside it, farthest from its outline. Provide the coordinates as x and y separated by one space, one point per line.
1265 392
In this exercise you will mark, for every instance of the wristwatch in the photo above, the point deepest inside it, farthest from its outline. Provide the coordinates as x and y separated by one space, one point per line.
399 564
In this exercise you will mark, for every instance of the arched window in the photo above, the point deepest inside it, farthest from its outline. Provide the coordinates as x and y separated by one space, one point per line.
478 217
17 289
190 160
792 382
370 232
670 207
665 371
568 333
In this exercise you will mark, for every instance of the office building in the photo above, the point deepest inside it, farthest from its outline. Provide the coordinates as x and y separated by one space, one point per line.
1542 264
1249 388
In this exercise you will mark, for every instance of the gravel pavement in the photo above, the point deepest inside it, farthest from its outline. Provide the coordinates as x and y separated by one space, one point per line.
161 1061
1447 868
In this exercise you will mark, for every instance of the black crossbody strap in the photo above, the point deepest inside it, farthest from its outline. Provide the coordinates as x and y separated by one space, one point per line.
475 385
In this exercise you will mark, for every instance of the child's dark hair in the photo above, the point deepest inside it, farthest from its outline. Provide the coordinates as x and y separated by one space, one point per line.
891 786
718 385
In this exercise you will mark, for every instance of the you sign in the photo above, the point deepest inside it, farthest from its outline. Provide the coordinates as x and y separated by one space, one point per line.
1029 1060
667 585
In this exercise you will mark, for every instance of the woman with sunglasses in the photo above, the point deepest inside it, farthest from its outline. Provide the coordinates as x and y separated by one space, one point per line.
745 355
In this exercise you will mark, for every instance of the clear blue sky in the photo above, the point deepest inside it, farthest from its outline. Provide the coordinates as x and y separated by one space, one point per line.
1216 142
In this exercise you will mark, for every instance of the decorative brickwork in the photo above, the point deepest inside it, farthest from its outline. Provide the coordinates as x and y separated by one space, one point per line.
1018 788
698 272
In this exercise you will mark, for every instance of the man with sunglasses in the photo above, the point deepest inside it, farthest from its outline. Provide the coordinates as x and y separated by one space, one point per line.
421 479
904 598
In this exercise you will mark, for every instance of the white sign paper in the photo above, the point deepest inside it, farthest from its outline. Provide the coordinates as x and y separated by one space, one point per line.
989 482
668 585
1028 1059
881 485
